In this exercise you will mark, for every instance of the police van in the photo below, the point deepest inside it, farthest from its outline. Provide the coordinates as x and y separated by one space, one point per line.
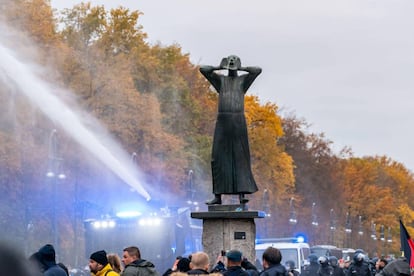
297 252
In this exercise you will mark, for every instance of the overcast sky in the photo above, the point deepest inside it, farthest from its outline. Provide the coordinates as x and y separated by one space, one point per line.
344 66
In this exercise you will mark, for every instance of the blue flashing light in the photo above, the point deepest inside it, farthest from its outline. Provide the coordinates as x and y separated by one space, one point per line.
300 237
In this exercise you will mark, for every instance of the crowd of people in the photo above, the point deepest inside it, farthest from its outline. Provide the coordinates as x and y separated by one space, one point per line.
231 263
359 265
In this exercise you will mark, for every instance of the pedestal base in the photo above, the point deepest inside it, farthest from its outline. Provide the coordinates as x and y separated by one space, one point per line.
225 230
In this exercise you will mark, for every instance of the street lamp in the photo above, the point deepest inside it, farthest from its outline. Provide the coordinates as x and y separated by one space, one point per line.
54 173
266 207
332 226
382 237
266 210
373 231
389 238
292 219
360 230
190 190
54 162
314 216
348 229
382 233
315 222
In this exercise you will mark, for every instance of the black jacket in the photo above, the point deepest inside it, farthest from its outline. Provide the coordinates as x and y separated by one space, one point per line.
197 272
235 271
311 270
359 269
275 270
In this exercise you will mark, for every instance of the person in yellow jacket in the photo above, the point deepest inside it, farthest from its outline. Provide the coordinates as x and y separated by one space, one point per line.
99 265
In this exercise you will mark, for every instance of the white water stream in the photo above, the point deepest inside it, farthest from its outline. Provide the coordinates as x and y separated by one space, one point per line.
16 73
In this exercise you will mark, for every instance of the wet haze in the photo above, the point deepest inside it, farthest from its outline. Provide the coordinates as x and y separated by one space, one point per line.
343 66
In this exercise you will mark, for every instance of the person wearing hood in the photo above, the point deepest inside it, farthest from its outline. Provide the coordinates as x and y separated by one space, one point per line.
99 264
271 259
134 265
46 258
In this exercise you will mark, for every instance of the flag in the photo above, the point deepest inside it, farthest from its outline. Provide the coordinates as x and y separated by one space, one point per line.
407 246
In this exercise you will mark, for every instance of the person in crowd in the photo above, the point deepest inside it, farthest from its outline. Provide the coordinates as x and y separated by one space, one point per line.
372 265
380 264
233 264
181 264
290 266
199 264
115 262
346 264
325 268
398 267
134 265
271 259
250 268
337 270
99 265
359 267
13 262
313 267
46 258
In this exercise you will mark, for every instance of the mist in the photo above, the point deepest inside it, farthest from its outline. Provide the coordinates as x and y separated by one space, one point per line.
23 78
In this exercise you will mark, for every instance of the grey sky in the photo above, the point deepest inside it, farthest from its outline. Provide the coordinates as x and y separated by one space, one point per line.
345 66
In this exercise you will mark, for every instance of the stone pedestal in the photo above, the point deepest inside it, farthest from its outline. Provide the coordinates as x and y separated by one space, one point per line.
227 227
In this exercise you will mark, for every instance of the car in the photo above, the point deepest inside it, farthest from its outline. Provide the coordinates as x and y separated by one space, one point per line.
348 254
326 250
297 252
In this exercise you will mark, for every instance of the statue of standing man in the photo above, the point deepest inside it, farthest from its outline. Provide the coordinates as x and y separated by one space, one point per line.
230 164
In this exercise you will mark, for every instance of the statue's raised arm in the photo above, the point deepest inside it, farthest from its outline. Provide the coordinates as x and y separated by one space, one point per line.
253 72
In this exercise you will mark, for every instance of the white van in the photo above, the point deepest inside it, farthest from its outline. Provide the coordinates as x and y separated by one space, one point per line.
291 251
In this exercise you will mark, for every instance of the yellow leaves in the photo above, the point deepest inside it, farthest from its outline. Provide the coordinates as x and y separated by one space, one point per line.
34 17
406 214
263 118
272 167
373 184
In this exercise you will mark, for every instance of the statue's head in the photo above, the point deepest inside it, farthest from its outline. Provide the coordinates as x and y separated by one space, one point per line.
231 62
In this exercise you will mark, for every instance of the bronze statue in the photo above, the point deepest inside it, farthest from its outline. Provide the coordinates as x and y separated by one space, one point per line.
230 164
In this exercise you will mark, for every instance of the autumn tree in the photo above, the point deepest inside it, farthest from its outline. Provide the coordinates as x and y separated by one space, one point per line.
272 166
314 168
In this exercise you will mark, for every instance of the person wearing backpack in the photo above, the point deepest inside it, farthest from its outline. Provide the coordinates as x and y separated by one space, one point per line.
99 265
134 265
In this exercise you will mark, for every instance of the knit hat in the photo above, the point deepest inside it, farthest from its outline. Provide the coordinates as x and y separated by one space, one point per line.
234 255
99 257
